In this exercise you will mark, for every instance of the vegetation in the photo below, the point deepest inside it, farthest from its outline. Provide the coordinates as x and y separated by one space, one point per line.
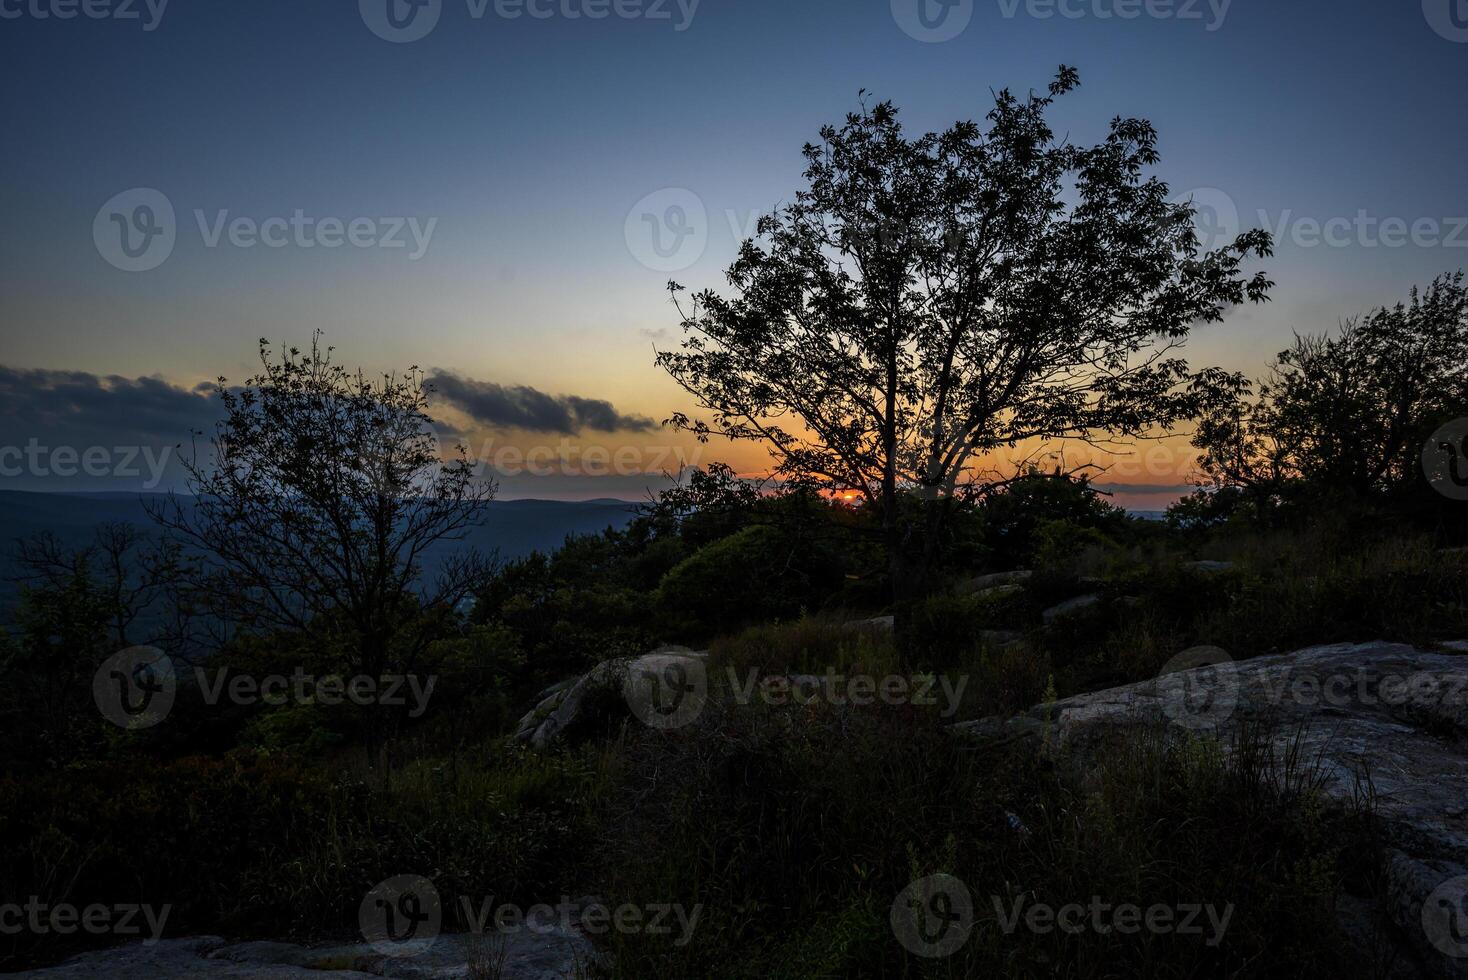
905 317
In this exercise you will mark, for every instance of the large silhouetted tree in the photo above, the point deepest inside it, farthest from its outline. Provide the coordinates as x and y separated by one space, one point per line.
927 301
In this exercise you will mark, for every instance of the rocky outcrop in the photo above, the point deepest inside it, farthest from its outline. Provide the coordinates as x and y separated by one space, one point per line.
1386 712
1070 607
549 953
606 693
994 579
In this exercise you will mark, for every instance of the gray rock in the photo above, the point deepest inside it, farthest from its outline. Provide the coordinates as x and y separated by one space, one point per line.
982 582
1208 567
553 953
564 710
1070 607
1395 713
995 592
999 639
878 623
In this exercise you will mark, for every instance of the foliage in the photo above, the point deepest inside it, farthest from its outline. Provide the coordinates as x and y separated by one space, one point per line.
1348 413
926 301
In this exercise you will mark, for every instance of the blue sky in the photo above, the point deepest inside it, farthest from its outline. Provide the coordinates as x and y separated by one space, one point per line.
527 141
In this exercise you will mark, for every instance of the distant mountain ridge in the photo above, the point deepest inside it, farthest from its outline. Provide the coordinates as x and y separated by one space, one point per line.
513 528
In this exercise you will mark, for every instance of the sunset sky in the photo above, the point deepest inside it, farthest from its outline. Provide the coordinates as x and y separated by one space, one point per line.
515 156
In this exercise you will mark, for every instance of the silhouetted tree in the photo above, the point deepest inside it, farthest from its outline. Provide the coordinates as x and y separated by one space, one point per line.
1349 412
324 495
925 302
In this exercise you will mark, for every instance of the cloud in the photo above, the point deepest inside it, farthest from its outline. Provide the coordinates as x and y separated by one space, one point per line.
523 407
46 404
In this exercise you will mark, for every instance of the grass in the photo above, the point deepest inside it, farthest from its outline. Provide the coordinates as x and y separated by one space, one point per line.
797 831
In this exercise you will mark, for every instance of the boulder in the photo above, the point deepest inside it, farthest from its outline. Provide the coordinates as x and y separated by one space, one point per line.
1389 711
999 639
551 952
1070 607
997 592
596 697
982 582
1208 567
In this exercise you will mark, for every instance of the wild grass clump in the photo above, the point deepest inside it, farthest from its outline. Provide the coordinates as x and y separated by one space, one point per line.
795 833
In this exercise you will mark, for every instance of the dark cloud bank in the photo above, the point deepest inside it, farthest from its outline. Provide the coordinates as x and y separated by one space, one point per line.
521 407
73 430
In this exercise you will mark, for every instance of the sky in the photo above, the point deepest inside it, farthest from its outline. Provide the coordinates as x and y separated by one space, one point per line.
475 187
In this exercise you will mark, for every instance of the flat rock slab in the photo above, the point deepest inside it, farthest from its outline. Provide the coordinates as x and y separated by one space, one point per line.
1070 607
1386 711
554 954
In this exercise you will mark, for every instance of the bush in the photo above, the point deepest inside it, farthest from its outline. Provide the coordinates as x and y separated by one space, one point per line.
794 831
759 574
